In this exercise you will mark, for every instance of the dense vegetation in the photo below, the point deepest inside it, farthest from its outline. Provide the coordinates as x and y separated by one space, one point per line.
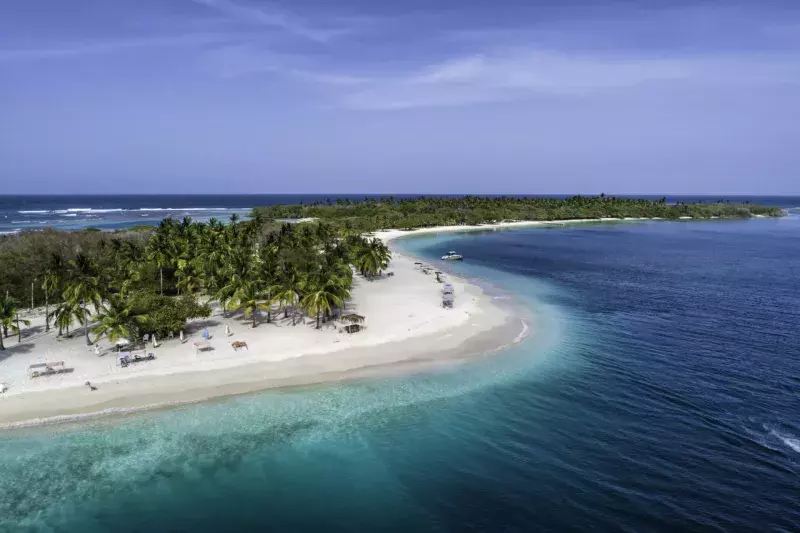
147 280
136 282
371 214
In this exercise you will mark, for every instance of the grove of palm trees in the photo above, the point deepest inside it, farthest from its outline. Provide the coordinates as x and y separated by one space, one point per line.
152 280
131 283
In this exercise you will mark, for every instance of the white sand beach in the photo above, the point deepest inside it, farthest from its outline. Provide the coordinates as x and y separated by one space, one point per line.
406 328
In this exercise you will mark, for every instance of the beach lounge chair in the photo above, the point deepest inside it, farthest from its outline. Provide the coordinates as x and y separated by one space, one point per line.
127 358
202 346
447 301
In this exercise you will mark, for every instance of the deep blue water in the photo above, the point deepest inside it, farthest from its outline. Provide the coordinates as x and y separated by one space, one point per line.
660 391
110 212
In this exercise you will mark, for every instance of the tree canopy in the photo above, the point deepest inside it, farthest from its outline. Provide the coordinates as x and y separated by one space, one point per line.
407 213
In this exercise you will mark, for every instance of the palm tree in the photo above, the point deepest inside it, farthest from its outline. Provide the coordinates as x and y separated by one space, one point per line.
372 257
9 318
65 315
118 320
160 248
287 292
321 300
84 288
251 299
51 283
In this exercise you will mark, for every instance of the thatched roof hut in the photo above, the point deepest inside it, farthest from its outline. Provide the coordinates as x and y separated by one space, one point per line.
352 318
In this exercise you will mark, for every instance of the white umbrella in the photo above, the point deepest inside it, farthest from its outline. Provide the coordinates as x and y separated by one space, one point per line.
155 342
181 336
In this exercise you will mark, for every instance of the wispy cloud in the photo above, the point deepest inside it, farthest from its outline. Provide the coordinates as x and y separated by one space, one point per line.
520 74
273 17
327 78
67 50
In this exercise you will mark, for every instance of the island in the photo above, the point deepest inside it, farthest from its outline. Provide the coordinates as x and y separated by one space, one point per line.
96 322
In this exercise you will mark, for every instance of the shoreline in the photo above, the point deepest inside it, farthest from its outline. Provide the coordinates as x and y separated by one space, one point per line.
397 354
389 356
489 326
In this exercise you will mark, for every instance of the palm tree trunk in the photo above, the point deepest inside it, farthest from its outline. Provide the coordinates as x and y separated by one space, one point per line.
317 319
46 312
2 347
286 312
19 331
86 325
254 317
161 275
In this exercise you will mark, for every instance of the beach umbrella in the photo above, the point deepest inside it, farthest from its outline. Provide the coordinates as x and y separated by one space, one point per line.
181 336
155 342
227 330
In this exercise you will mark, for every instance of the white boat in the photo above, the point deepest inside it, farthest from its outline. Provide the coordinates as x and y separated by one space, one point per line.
452 256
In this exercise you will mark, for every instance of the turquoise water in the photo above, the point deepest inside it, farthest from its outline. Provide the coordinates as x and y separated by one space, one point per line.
659 392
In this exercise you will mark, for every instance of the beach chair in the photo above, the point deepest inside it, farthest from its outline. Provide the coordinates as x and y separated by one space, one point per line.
447 301
202 345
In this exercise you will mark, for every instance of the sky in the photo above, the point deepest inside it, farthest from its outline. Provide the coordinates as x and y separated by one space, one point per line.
411 96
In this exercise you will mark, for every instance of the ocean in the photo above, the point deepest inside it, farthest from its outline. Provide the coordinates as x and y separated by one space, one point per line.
659 392
113 212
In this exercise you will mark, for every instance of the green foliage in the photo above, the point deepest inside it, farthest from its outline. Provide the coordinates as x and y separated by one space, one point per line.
9 318
164 314
371 215
119 319
148 280
372 258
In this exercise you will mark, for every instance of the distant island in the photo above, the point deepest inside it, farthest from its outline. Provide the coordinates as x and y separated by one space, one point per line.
389 212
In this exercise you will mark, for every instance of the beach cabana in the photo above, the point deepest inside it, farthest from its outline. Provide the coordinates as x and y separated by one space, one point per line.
46 369
122 342
352 318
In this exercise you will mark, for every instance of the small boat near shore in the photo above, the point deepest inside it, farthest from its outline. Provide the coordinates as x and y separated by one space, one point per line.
452 256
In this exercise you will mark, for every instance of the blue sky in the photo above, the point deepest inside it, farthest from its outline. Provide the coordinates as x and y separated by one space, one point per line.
508 96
